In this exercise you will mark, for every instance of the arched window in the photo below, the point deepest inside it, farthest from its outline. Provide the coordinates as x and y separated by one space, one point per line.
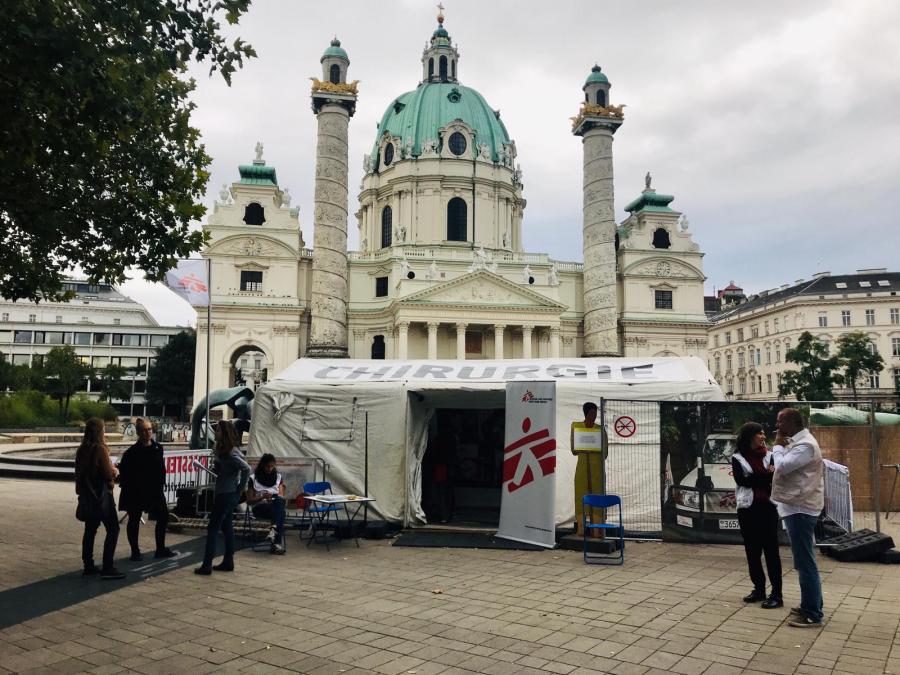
430 69
661 238
334 73
388 154
456 219
378 347
587 98
453 68
386 225
443 68
254 214
601 97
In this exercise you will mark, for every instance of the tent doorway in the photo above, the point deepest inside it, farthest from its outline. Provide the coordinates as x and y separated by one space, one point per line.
462 467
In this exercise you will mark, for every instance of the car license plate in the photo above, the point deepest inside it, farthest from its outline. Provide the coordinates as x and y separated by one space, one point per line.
728 524
684 520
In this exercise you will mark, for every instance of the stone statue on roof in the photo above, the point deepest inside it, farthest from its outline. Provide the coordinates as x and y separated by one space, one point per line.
647 179
259 151
286 198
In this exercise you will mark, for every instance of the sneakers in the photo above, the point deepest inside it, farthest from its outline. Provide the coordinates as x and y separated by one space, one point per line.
755 596
804 622
277 549
111 574
224 567
271 536
772 602
165 553
797 611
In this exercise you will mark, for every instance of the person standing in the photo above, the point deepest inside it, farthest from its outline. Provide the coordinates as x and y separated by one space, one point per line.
94 479
589 478
798 489
757 515
232 473
142 478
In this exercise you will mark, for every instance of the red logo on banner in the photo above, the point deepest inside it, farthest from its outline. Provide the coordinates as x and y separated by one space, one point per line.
527 397
192 284
625 426
526 456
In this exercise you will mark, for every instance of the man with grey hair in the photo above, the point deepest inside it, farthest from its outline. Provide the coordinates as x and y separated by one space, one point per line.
798 489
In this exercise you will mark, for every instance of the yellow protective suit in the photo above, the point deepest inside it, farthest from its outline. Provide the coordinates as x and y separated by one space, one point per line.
590 476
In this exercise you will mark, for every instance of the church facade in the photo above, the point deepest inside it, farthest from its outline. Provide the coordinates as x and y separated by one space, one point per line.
441 271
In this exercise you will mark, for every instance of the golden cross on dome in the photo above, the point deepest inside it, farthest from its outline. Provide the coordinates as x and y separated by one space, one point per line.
440 16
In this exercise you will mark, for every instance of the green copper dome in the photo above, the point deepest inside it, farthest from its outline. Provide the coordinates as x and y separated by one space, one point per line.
421 113
335 49
596 77
440 31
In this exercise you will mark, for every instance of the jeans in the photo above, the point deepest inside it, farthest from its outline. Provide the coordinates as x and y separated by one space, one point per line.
111 523
759 529
161 513
272 510
800 529
222 517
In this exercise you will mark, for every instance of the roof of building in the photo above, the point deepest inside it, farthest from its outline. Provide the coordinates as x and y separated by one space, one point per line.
861 283
596 77
335 50
85 290
419 114
711 305
650 200
257 174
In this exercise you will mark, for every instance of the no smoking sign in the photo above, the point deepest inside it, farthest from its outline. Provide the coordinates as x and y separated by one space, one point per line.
625 426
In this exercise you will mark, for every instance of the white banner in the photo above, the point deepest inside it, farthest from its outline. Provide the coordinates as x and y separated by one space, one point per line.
180 472
529 464
190 280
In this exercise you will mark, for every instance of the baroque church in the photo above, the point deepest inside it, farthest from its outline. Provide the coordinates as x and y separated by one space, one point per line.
441 272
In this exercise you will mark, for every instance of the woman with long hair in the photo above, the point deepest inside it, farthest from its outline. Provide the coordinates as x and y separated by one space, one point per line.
751 466
265 495
232 473
94 479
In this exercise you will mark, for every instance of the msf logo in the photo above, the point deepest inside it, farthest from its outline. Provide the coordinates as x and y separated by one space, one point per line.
527 397
533 454
192 284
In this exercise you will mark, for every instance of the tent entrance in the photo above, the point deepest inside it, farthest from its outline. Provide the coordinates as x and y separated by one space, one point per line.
462 467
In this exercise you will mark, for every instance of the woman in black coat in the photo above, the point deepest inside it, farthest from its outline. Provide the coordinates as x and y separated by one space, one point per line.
142 477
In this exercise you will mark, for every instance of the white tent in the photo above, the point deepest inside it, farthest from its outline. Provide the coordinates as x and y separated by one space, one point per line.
317 408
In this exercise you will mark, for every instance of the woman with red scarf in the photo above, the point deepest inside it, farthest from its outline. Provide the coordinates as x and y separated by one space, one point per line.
751 466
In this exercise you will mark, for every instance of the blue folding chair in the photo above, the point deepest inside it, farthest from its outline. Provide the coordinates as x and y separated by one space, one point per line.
318 515
602 502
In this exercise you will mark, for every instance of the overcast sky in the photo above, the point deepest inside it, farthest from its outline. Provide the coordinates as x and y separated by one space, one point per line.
775 124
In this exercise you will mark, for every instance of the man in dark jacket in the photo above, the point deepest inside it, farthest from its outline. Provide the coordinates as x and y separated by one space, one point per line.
142 477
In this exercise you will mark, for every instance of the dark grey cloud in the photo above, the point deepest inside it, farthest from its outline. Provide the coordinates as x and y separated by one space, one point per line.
774 124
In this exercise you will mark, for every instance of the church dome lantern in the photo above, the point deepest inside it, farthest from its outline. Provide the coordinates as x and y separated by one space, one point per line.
596 87
334 63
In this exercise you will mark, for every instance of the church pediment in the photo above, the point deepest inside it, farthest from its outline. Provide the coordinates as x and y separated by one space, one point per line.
251 246
663 268
483 289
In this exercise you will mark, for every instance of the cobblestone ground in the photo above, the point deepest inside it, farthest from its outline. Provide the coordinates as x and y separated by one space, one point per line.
384 609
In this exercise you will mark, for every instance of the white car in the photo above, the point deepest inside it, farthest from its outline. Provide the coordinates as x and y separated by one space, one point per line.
712 482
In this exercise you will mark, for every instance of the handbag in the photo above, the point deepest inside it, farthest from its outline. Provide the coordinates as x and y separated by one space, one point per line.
91 506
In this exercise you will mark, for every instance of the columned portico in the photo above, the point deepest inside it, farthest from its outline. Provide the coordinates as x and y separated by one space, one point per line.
526 341
498 341
432 339
554 343
461 341
402 339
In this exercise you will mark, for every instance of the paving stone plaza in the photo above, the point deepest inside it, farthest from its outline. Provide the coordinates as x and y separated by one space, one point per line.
392 610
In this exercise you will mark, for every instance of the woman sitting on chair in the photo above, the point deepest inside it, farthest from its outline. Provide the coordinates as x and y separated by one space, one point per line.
265 496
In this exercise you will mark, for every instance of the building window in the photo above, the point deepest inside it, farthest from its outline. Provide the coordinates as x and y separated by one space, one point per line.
873 381
872 348
32 318
768 383
825 346
754 332
766 327
254 214
742 383
758 357
777 353
895 315
381 287
870 317
845 317
457 143
117 322
388 154
601 97
334 73
728 363
58 319
663 299
251 281
823 320
752 385
768 356
22 337
718 364
430 75
378 350
82 339
728 337
740 360
442 68
661 238
759 383
775 325
387 218
897 379
6 316
457 218
716 339
474 342
895 346
740 334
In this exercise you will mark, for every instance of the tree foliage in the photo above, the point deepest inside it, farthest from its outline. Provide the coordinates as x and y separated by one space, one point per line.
858 359
171 378
815 377
112 383
65 375
99 165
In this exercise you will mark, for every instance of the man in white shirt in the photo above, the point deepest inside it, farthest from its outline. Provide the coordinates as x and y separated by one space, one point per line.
798 489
